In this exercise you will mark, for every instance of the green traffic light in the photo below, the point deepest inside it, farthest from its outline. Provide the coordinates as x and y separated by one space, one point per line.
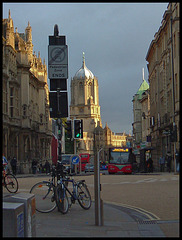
78 135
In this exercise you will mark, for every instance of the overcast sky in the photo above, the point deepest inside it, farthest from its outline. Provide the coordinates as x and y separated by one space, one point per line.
115 38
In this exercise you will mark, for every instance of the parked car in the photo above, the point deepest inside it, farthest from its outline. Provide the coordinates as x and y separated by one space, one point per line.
89 167
103 166
67 163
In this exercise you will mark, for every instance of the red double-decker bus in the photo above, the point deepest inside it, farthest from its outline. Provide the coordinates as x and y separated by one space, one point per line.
85 158
118 160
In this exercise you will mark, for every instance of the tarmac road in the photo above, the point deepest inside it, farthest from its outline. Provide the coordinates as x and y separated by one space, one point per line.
155 195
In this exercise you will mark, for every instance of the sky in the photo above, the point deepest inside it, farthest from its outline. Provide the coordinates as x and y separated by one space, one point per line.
115 38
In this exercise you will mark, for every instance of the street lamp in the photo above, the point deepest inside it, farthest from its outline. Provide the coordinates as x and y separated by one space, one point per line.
172 68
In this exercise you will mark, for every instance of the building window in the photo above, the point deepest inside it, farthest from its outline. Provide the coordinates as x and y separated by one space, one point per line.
5 99
11 102
16 103
176 88
41 118
174 46
24 111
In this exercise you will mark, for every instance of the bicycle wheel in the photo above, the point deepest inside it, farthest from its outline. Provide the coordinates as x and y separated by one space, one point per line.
84 197
44 196
62 199
11 183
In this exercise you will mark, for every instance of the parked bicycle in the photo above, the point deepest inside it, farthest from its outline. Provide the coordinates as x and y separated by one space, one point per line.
52 193
79 192
9 181
45 194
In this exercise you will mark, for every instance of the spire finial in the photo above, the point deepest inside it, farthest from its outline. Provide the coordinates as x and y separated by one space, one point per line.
143 73
9 14
83 59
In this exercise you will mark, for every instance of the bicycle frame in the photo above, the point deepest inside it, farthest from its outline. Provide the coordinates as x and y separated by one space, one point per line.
74 195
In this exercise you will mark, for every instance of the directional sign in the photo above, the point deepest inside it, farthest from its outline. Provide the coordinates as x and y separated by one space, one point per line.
58 61
75 159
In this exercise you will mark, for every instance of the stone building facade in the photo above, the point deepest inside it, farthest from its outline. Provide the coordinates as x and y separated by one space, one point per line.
163 68
141 114
85 105
27 130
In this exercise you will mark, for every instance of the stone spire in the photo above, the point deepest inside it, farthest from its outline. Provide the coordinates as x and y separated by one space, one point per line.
9 17
143 73
28 33
83 59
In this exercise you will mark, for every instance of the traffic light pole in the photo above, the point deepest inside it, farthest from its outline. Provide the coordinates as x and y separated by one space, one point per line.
58 74
59 123
97 189
75 153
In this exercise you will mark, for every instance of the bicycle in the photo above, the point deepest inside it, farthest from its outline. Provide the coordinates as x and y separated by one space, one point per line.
45 194
79 192
48 195
9 181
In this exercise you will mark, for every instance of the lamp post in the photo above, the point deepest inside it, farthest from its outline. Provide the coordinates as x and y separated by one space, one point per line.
173 90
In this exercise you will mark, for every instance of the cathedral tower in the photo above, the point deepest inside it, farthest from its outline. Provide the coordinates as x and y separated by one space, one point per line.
85 102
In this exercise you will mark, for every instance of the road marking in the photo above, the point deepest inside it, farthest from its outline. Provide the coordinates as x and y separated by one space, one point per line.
23 190
150 215
163 180
146 180
174 178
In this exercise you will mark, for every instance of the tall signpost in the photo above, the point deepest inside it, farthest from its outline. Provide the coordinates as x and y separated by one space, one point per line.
58 74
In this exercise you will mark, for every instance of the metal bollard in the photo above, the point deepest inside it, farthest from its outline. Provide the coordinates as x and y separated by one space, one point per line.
29 211
13 219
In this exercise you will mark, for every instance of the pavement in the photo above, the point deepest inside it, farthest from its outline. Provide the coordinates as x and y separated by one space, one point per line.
118 221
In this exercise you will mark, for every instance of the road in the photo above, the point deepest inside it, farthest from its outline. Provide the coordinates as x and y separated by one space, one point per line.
157 194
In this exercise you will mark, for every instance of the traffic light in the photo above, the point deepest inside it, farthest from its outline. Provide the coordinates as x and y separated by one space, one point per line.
69 129
78 128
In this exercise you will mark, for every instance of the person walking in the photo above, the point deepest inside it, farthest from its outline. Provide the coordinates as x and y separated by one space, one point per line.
169 159
34 166
13 165
131 159
150 165
47 167
162 163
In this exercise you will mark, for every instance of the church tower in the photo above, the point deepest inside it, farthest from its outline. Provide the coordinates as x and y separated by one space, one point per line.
85 104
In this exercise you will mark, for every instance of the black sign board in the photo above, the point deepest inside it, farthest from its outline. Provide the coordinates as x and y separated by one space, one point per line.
58 83
58 101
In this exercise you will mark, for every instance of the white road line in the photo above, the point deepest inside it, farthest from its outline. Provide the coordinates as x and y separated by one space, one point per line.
146 180
150 215
163 180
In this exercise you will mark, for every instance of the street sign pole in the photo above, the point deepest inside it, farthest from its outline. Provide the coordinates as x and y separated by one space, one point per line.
58 74
97 188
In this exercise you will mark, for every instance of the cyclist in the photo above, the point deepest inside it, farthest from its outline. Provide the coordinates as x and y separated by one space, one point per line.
5 163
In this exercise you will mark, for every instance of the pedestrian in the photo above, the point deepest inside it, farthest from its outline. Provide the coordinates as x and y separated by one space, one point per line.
13 163
162 163
169 159
131 159
150 165
47 166
177 161
34 166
